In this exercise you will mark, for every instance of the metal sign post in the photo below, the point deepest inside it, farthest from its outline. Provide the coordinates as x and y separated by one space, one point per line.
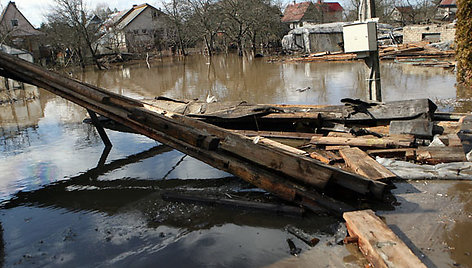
372 61
361 38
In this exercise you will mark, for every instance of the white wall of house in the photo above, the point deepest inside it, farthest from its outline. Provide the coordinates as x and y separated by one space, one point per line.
141 31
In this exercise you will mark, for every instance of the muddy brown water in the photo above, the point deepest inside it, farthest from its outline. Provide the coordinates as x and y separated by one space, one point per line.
63 204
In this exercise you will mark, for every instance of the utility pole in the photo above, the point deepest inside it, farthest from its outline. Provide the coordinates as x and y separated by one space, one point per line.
367 12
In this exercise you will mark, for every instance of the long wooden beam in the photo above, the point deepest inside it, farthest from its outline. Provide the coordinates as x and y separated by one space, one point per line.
201 140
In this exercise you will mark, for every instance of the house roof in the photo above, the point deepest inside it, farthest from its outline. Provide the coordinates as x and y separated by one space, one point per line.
29 30
124 18
333 6
446 3
295 12
131 15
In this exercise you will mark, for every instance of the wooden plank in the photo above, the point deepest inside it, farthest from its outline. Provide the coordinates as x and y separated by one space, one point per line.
336 147
383 130
451 140
437 155
395 110
278 134
362 164
418 127
404 153
361 142
340 134
326 157
280 157
446 127
466 124
378 242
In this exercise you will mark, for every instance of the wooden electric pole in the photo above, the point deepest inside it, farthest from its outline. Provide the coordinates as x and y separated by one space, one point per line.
366 12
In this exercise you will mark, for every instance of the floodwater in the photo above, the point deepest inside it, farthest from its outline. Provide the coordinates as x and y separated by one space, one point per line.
67 202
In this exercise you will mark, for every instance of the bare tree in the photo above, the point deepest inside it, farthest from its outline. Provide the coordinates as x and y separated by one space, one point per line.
383 8
73 15
178 12
208 20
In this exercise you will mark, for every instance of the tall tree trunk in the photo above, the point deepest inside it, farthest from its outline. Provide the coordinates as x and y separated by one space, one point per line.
81 58
207 43
254 45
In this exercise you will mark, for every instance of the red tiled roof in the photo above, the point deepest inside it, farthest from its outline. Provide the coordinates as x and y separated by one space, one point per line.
448 3
333 6
295 12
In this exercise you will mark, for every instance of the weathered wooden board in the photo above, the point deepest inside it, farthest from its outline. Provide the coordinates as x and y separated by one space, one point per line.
403 153
324 156
361 163
451 140
278 134
446 127
378 242
361 142
466 124
395 110
418 127
437 155
336 147
292 162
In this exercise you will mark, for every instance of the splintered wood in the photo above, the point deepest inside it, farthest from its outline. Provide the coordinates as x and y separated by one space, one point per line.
378 242
361 163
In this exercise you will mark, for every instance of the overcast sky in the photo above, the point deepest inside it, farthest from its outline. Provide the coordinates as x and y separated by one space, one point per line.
34 10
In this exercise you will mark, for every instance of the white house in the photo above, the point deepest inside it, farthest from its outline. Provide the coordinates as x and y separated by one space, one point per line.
137 29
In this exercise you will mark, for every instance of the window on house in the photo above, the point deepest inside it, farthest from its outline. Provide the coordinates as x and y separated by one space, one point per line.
143 31
14 23
431 37
155 15
135 31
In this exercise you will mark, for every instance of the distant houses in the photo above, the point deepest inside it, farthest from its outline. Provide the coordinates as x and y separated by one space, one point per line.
17 31
138 29
301 14
403 15
447 10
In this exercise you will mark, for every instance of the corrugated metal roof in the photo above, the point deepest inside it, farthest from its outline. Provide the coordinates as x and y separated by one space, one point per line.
448 3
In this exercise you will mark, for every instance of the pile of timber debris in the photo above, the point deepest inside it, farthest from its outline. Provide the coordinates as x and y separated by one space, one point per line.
402 52
347 136
318 148
413 51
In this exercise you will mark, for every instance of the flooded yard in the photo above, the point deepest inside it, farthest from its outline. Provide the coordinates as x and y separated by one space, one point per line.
68 202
